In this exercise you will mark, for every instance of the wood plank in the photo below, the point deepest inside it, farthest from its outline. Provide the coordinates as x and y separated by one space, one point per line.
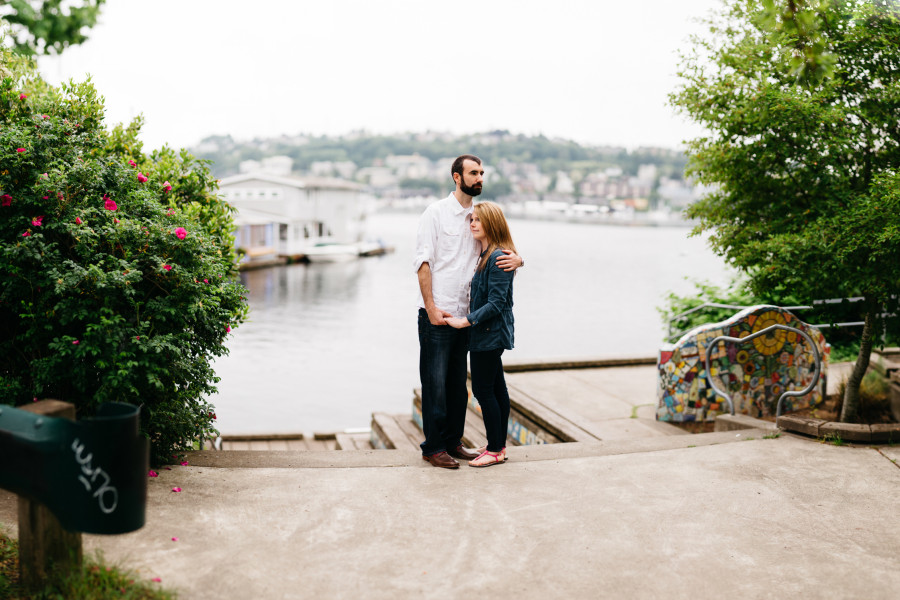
262 436
388 431
412 431
276 444
474 436
345 441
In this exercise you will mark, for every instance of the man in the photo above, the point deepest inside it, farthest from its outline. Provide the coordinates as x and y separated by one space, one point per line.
446 254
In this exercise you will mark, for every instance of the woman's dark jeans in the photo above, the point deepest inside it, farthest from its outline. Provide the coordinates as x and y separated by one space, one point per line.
489 388
442 370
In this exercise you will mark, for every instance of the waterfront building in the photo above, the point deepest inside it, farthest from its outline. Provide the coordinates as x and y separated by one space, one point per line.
283 215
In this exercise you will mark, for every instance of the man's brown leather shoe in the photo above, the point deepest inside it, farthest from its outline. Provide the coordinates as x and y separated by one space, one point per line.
442 459
461 453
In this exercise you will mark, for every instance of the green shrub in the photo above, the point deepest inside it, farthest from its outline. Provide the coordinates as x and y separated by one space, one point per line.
117 273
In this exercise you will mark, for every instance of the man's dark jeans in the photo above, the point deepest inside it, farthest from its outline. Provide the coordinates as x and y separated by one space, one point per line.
442 370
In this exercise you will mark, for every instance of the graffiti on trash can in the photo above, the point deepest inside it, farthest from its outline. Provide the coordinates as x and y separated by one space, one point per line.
102 493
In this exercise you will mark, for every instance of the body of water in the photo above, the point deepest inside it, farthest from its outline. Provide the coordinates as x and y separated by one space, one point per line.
328 344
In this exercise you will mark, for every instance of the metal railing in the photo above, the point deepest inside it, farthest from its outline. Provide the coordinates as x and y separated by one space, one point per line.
815 303
725 338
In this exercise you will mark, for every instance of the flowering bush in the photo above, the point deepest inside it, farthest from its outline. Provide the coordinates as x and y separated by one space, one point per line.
115 284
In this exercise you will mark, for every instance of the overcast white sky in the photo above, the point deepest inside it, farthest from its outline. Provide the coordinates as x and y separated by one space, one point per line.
595 71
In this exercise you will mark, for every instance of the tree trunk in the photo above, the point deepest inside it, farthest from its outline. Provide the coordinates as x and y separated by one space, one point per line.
850 411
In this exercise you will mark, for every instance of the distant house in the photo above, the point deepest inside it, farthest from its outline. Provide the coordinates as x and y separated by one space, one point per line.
283 215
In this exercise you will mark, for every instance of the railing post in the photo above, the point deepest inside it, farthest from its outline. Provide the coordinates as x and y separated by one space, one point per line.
44 545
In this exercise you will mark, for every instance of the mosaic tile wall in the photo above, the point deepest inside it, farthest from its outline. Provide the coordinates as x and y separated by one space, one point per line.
754 374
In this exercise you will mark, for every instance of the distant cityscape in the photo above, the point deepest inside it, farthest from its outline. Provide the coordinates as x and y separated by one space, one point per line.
532 175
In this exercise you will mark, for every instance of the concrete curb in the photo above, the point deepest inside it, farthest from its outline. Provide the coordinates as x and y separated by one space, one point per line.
883 433
350 459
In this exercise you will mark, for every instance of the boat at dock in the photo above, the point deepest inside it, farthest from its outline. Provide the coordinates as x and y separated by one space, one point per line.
330 252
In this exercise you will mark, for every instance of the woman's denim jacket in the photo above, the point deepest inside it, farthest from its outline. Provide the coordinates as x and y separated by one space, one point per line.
491 303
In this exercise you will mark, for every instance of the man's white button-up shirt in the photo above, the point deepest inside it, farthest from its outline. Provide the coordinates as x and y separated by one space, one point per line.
445 242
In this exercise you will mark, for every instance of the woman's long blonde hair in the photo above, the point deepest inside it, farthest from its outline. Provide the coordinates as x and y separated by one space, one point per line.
496 230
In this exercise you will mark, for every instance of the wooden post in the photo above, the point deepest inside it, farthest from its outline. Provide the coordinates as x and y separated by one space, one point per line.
44 545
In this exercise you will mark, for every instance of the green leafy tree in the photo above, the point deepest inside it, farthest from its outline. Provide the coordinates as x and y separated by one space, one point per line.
801 164
117 274
48 26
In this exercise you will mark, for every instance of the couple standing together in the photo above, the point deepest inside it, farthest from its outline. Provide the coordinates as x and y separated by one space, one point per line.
465 261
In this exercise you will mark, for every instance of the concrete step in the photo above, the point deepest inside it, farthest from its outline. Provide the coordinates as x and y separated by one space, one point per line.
408 457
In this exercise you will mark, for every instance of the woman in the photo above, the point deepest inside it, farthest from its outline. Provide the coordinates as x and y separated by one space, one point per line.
491 319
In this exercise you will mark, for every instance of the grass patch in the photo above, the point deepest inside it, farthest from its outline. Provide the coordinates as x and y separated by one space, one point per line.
834 438
96 580
772 436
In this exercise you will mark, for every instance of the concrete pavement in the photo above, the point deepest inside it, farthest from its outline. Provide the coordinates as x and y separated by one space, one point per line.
705 516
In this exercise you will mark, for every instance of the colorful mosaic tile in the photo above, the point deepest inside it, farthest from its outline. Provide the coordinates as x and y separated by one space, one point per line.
754 374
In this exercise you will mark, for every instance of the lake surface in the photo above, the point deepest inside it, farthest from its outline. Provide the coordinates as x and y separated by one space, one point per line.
328 344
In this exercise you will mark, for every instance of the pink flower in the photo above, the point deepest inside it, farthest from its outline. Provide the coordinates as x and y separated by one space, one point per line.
75 343
184 463
22 96
167 186
227 329
170 212
174 539
26 234
176 489
206 281
167 267
45 176
137 338
6 199
37 221
156 579
20 150
45 116
132 163
141 177
78 221
152 473
109 204
181 232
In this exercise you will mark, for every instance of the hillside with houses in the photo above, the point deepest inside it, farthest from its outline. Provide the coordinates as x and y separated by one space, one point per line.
530 174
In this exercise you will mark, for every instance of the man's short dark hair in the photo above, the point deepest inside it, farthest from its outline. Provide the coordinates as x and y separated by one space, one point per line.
458 163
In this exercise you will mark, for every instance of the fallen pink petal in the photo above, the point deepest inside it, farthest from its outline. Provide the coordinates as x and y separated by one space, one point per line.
156 579
184 463
181 232
152 473
176 489
174 539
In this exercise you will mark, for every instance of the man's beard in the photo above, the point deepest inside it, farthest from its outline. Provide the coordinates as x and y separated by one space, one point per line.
471 191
